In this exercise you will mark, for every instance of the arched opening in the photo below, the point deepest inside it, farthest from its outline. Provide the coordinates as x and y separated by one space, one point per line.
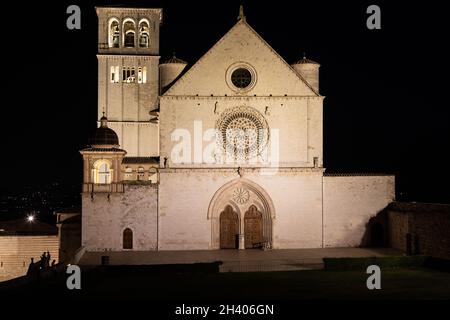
114 33
102 172
129 39
229 229
153 175
128 173
141 173
129 32
142 74
144 34
127 239
253 228
254 210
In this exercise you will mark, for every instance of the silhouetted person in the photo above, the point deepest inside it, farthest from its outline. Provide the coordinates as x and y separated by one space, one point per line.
47 261
42 262
53 262
30 267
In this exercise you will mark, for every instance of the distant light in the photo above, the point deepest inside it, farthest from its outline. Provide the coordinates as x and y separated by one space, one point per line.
30 218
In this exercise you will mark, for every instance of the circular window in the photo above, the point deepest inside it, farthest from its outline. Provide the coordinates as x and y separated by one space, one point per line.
243 132
241 78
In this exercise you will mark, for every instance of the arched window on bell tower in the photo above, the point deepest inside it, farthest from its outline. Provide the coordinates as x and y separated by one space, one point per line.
144 34
129 33
114 33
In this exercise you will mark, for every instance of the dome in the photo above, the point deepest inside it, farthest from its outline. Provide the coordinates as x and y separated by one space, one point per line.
305 60
174 59
104 136
170 70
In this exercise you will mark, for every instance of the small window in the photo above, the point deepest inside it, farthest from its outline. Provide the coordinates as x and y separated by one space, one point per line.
142 75
141 173
241 78
115 74
127 239
153 175
128 74
128 173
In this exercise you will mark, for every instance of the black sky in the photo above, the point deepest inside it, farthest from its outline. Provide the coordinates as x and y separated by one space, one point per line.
385 110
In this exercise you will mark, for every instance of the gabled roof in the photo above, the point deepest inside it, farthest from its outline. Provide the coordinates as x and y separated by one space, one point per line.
241 22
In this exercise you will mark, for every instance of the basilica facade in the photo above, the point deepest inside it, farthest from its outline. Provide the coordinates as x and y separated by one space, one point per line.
225 153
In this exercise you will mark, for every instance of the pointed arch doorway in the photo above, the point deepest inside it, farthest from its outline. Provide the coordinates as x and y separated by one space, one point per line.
243 209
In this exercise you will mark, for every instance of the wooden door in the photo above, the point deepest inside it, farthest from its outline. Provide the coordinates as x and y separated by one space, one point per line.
253 228
229 228
127 239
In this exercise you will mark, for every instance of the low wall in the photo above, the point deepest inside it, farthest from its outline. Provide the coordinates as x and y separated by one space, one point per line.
420 228
16 253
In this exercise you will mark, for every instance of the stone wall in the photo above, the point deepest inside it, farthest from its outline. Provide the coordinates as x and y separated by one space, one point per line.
350 202
69 230
106 216
16 253
294 124
427 224
189 214
127 105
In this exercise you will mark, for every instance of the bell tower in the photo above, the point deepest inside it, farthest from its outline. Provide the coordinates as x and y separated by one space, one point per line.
128 75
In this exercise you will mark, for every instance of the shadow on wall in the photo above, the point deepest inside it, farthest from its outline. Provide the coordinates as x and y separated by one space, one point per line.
377 231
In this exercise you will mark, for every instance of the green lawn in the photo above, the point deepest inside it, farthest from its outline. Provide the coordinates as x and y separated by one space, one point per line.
139 282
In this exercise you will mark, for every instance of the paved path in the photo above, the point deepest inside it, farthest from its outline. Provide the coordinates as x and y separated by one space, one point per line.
238 260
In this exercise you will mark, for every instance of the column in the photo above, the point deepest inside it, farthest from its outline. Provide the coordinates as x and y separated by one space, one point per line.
241 241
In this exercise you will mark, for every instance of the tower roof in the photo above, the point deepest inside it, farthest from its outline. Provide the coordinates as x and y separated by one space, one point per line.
305 60
174 59
104 136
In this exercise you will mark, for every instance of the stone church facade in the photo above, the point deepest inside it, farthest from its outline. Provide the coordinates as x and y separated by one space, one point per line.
226 153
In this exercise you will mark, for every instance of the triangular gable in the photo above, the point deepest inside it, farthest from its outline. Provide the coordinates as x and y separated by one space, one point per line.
241 44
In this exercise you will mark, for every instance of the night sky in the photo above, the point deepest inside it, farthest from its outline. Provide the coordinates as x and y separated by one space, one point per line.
385 110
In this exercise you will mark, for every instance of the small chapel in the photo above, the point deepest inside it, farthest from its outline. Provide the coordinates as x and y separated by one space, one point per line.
222 153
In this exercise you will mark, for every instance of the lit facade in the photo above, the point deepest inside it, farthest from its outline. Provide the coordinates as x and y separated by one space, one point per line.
226 153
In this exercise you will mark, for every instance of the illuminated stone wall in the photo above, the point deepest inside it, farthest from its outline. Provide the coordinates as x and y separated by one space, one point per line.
349 203
106 217
16 253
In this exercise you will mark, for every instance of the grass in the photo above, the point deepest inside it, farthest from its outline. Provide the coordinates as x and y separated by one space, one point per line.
142 283
383 262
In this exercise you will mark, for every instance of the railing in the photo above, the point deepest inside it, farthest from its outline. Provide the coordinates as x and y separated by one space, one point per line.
103 187
103 46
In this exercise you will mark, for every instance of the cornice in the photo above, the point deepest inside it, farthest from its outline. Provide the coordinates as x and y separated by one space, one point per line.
240 98
125 56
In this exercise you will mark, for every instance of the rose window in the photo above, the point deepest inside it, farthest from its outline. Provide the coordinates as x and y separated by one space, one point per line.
243 132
